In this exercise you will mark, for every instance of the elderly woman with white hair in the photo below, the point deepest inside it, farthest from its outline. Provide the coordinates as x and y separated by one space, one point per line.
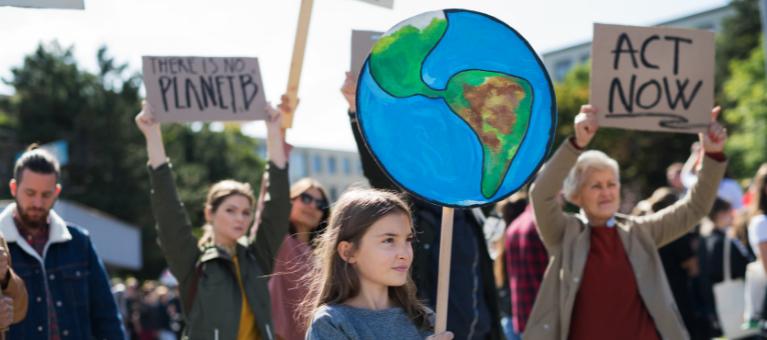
605 279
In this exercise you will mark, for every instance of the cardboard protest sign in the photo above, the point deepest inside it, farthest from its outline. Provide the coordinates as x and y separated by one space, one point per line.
383 3
63 4
653 78
362 43
204 89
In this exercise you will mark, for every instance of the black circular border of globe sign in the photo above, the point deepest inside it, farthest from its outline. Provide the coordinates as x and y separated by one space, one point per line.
549 142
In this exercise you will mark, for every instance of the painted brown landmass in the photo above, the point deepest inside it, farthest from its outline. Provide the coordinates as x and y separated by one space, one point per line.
495 103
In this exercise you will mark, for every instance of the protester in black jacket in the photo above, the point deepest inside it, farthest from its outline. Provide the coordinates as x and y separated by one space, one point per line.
711 255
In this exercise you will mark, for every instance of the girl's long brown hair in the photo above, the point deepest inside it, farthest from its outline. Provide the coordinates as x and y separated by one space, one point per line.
333 280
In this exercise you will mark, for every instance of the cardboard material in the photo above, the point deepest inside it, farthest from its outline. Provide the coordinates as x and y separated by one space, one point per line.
362 43
383 3
63 4
652 78
182 89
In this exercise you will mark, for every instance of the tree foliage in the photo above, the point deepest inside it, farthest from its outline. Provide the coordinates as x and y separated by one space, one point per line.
739 36
747 119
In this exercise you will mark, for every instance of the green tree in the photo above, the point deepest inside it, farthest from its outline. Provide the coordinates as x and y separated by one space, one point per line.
6 120
747 120
55 99
739 36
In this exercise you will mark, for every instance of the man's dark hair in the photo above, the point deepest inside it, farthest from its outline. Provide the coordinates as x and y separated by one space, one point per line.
36 160
719 206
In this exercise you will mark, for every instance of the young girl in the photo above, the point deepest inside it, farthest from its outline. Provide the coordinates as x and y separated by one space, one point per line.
361 288
223 283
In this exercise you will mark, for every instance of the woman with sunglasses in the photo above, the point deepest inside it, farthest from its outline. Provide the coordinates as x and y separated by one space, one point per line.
308 217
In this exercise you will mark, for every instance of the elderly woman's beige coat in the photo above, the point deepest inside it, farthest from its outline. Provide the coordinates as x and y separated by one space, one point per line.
567 238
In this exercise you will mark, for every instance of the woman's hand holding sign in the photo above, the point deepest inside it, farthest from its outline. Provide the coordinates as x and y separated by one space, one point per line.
586 125
150 127
714 138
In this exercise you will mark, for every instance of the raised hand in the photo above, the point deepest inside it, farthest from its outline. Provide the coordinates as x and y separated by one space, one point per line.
153 135
714 138
146 122
349 90
276 150
285 106
273 119
586 125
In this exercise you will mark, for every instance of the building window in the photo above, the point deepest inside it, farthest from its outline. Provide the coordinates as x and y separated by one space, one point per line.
561 68
261 150
298 166
332 165
347 166
707 26
317 164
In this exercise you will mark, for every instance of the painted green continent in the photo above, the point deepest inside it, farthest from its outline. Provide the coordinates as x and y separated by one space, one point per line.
396 59
495 105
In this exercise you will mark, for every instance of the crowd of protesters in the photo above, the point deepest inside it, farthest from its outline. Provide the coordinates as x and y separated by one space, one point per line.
557 260
150 309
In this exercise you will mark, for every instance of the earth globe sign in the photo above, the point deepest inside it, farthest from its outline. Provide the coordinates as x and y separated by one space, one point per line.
456 107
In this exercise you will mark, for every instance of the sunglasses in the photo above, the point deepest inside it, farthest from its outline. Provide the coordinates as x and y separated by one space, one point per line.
320 203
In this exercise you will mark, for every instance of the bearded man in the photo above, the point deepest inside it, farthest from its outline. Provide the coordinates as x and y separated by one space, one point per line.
70 296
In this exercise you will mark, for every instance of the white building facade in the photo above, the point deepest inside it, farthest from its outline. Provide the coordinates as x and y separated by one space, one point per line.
337 170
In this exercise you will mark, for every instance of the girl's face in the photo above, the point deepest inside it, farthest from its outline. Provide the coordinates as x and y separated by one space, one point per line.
231 220
307 210
385 252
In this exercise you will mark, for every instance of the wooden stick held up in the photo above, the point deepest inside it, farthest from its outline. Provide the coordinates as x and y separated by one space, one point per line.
297 62
443 279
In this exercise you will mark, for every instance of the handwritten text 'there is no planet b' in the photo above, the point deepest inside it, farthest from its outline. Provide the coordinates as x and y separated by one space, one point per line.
202 83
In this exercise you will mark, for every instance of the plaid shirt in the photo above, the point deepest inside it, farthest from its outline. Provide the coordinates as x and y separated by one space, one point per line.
526 261
38 238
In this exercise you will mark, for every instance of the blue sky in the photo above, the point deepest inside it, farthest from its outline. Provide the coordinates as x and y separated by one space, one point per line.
266 29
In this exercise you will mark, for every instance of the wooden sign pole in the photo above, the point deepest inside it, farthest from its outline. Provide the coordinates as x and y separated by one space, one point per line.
443 279
297 62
